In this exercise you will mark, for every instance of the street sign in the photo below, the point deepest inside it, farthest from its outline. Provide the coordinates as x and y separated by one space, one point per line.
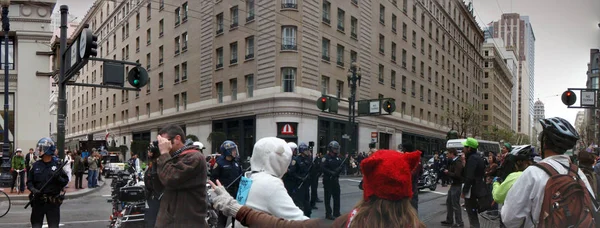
373 136
588 98
374 106
74 56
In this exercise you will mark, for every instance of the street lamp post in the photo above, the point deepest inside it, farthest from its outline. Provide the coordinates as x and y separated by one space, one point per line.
354 76
5 178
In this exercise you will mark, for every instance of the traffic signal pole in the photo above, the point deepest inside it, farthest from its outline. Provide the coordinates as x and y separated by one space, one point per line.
354 77
62 96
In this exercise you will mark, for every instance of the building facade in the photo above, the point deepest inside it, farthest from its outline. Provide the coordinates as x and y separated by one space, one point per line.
591 128
579 120
29 61
497 88
517 32
539 112
249 69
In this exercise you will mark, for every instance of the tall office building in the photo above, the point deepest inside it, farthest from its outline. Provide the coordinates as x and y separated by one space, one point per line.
591 128
497 86
517 32
249 69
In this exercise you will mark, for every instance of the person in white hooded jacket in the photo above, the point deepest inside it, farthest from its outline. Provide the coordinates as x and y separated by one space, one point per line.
270 160
524 200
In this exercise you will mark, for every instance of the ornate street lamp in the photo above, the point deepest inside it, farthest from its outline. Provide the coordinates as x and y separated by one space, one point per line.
5 176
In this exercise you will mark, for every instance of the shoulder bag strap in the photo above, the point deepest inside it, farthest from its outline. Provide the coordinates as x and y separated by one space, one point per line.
546 168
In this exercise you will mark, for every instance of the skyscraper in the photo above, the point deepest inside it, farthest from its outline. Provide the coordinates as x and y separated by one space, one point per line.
517 32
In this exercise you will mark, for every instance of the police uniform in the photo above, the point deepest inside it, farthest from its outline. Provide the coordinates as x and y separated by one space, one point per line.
315 173
331 168
300 170
289 182
228 173
47 202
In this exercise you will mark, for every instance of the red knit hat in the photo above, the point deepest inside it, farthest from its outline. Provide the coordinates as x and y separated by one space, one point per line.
387 174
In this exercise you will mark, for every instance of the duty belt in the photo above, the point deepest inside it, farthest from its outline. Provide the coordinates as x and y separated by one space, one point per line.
54 199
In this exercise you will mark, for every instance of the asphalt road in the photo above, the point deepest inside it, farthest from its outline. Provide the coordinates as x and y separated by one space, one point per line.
92 211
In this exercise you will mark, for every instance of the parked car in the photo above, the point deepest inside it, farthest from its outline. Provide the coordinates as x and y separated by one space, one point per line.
112 165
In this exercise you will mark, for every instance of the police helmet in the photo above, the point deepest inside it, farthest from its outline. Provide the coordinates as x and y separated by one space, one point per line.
302 147
45 146
334 147
228 148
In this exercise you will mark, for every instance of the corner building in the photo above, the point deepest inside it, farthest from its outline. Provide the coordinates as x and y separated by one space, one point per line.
251 69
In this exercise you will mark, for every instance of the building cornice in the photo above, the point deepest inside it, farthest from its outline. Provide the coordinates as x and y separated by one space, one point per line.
32 20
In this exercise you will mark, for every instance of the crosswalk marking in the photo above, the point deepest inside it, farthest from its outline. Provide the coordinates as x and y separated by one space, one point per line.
46 225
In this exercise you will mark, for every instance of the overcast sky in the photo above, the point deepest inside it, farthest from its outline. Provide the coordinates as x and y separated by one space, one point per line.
565 32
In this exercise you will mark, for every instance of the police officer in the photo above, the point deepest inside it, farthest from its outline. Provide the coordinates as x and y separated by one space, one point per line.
228 171
289 181
300 170
46 201
315 173
332 167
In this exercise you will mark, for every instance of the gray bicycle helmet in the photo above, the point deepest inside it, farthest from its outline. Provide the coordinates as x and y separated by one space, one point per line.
559 133
522 152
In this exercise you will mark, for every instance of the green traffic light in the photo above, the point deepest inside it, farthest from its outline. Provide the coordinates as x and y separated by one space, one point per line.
136 81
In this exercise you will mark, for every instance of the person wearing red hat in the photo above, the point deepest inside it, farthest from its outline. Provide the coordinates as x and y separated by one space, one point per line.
386 198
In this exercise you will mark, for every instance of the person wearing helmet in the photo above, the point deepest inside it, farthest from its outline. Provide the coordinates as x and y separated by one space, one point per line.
41 172
515 163
332 167
200 146
527 193
289 181
228 171
300 171
477 197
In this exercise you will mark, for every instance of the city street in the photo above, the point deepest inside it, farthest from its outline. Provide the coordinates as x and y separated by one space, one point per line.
93 211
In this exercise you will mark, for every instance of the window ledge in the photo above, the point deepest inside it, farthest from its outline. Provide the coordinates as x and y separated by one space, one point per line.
250 59
160 88
234 28
289 9
176 82
325 61
183 80
233 64
292 51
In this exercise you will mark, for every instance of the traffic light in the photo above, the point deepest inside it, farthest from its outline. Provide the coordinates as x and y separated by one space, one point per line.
569 98
323 103
137 77
88 44
389 106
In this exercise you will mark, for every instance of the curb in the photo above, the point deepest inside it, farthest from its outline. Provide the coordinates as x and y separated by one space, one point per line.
24 199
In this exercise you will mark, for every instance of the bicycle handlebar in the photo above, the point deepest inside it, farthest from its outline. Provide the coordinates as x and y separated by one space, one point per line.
19 170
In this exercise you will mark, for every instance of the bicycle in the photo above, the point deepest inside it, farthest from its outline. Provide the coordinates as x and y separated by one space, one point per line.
18 181
4 203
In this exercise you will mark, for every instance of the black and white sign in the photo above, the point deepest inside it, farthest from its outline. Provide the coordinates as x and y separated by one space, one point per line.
74 55
374 107
588 98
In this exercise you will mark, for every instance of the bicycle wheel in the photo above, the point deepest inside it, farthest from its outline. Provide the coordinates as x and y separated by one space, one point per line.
4 204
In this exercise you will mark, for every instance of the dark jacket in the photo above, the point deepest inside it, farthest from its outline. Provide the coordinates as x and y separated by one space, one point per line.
42 172
78 164
154 187
473 175
227 172
184 200
455 169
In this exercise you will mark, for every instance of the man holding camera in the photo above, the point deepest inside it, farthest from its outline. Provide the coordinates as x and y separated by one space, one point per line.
182 171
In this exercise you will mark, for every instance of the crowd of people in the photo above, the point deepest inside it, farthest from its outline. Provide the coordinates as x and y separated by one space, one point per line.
276 190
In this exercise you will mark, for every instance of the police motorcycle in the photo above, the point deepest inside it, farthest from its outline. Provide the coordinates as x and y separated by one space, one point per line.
429 178
128 198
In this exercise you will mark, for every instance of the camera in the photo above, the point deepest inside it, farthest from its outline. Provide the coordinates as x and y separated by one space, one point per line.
154 147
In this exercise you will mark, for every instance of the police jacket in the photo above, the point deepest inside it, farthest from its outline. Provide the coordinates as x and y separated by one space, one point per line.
331 166
227 172
315 170
41 172
301 166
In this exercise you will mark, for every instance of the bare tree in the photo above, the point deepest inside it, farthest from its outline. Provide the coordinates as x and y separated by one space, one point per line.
466 122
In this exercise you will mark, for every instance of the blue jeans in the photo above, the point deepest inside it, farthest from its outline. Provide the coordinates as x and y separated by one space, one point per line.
92 178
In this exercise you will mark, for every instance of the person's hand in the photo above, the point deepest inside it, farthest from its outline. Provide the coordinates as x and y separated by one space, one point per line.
164 145
222 201
12 170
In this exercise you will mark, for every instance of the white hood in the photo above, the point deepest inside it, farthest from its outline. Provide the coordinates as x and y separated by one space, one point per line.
271 155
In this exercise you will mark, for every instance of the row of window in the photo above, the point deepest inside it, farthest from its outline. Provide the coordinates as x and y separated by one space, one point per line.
180 103
233 52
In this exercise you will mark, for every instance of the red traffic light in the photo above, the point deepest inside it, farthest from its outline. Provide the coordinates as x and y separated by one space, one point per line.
323 99
568 98
323 103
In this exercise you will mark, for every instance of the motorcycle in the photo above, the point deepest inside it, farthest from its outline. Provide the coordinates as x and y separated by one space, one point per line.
128 198
428 179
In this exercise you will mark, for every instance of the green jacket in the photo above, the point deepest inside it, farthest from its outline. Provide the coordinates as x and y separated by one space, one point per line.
500 191
18 162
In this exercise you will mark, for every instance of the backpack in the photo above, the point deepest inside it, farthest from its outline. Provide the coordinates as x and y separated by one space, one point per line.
567 201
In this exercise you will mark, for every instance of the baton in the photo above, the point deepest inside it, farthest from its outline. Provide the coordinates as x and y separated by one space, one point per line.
54 175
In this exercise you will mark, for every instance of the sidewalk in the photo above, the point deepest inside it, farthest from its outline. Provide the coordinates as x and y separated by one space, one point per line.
71 191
